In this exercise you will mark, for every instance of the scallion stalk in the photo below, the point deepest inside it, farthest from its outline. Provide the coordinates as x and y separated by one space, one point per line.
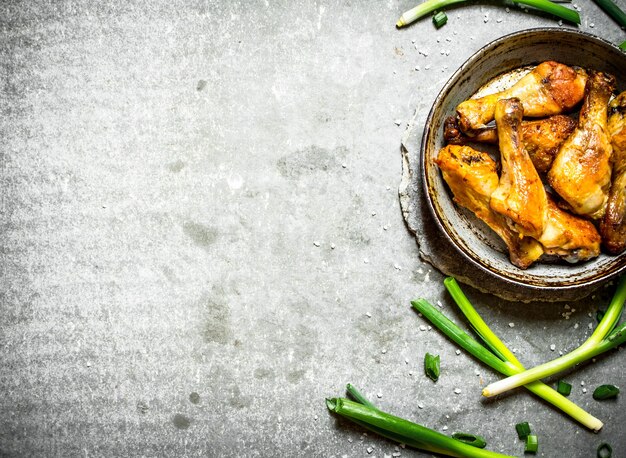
429 6
470 345
414 435
586 351
613 10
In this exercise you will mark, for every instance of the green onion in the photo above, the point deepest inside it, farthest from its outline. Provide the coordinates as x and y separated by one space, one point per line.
511 364
604 451
623 46
410 433
429 6
431 366
471 439
532 444
357 396
612 10
605 392
470 345
523 430
440 19
586 351
564 388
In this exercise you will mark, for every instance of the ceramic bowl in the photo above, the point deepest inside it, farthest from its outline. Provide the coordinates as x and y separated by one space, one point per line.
472 238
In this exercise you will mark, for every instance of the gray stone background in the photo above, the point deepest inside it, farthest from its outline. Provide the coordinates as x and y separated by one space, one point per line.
201 236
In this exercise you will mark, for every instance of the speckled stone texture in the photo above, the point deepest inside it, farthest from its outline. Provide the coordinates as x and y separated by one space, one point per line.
201 235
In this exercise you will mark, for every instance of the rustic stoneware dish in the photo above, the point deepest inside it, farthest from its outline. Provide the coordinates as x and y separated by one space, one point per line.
472 238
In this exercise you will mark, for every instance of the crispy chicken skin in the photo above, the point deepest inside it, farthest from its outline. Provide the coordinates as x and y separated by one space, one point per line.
613 225
581 171
541 138
472 177
569 237
520 195
550 88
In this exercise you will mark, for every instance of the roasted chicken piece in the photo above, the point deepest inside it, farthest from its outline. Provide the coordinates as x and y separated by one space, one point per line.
581 171
472 176
569 237
541 138
613 225
550 88
520 195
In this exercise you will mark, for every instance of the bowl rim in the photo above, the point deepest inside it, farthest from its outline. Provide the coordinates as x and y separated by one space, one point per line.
471 257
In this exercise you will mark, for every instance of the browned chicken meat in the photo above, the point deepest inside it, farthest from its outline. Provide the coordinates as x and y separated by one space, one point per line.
520 195
472 177
550 88
613 226
569 237
581 171
541 138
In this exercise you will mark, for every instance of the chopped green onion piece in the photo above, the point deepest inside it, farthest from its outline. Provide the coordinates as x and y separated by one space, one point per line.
623 46
440 19
564 388
613 10
604 451
605 392
523 430
532 444
431 366
471 439
600 315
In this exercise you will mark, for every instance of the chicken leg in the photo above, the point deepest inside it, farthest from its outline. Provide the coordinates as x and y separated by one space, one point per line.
472 177
613 226
581 171
520 195
550 88
541 138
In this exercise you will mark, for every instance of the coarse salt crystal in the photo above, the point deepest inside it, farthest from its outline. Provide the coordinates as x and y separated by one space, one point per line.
552 347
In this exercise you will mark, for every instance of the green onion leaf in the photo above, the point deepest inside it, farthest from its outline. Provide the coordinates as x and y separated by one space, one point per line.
523 430
613 10
564 388
440 19
471 439
404 431
623 46
605 392
604 451
431 366
357 396
532 444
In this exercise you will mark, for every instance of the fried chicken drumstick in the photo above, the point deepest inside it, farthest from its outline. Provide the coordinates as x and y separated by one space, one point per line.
613 226
581 171
550 88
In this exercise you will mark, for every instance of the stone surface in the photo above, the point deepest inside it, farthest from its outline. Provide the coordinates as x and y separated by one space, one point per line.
202 238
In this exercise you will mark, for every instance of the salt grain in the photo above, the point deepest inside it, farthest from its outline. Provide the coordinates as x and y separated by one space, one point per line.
552 347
